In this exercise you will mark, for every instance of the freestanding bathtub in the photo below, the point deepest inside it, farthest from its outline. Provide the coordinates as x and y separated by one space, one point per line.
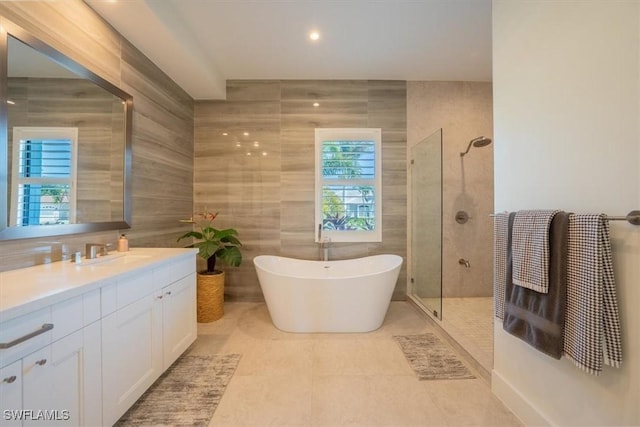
328 296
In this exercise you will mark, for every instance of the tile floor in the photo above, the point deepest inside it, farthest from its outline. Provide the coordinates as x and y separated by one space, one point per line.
286 379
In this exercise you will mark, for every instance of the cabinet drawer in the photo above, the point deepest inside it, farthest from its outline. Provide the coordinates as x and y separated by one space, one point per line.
20 327
134 287
173 271
67 317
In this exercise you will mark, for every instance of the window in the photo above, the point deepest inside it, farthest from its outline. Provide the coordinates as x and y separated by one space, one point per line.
348 185
43 180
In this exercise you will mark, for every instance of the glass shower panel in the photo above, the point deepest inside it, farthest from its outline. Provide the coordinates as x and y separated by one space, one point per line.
426 226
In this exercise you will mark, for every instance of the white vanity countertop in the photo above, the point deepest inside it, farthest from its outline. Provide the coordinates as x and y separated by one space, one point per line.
28 289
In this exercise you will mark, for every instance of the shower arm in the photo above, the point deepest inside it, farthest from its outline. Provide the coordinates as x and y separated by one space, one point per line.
468 148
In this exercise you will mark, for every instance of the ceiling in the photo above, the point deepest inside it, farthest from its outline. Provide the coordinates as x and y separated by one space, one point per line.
202 43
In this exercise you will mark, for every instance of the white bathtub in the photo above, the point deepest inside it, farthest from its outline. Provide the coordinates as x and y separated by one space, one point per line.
328 296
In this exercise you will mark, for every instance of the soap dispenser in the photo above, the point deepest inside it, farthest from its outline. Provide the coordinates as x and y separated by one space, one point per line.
123 243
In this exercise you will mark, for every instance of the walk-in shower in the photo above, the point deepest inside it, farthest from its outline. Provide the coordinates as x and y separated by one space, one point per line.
451 239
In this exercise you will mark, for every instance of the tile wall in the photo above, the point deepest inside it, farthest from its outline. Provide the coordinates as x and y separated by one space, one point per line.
262 183
464 111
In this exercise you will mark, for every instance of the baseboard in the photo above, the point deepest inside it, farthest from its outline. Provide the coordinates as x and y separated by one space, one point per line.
516 402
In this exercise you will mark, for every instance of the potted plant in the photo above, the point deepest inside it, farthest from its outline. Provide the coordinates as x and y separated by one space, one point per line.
212 244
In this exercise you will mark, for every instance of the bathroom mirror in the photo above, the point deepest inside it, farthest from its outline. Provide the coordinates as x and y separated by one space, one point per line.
65 143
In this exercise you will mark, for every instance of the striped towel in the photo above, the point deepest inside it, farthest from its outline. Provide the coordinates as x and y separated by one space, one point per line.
530 248
500 245
592 324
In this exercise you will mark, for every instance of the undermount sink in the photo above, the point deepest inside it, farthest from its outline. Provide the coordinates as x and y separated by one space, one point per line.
119 257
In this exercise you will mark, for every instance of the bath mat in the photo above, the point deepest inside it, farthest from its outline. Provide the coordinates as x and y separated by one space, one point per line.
187 394
432 359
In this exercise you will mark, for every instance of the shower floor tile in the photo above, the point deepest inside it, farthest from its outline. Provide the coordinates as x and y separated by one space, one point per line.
336 379
470 322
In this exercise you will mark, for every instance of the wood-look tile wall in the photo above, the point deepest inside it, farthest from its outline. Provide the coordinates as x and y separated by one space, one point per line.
262 183
162 128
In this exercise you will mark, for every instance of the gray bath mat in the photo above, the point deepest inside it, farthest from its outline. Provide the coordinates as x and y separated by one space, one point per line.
187 394
431 359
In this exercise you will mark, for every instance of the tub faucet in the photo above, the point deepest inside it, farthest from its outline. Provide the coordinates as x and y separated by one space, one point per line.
464 262
325 243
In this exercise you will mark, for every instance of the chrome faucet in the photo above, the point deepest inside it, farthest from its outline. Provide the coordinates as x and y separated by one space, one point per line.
92 250
325 242
464 262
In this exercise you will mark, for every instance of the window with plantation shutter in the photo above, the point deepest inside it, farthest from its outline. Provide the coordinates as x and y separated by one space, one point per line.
348 185
43 179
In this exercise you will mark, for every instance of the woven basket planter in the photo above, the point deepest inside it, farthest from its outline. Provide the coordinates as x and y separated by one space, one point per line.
210 297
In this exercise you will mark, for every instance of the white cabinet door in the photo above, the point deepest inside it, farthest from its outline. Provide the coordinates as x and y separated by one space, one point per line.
11 394
37 382
57 381
131 354
92 375
178 318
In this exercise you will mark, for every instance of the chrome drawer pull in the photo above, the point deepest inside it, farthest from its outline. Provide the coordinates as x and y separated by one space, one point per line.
46 327
10 379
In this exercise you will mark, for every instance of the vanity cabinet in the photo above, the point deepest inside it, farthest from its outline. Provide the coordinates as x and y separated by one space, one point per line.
142 338
109 341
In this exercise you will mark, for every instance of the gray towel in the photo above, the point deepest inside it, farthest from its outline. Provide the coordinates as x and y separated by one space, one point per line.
530 246
534 317
592 327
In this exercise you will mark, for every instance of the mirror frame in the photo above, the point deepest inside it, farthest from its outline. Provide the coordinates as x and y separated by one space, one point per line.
7 28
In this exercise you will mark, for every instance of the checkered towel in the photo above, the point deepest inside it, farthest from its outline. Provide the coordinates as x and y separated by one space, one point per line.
500 245
592 324
530 248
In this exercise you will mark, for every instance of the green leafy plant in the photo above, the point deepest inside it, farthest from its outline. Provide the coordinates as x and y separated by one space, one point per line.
213 243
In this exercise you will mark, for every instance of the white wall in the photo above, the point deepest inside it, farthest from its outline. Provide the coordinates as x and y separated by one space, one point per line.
567 136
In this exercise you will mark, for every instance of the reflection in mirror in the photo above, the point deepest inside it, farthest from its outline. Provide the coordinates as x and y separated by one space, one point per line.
67 145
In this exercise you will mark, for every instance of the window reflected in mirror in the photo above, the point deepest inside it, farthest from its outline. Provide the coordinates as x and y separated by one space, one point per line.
43 182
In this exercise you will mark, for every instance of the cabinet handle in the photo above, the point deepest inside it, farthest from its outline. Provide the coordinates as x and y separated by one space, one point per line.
159 297
168 293
46 327
10 379
41 362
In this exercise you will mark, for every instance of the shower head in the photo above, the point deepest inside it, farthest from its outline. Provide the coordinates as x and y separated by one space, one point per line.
481 141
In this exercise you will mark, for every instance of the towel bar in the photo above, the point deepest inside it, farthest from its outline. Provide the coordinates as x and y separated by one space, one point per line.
632 217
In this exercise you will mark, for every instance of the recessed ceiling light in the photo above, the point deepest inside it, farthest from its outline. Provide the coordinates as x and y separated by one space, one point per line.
256 144
264 153
10 102
314 35
246 133
224 134
248 153
316 104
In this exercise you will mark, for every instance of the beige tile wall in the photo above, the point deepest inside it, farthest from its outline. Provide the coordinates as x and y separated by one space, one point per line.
162 128
464 111
269 198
